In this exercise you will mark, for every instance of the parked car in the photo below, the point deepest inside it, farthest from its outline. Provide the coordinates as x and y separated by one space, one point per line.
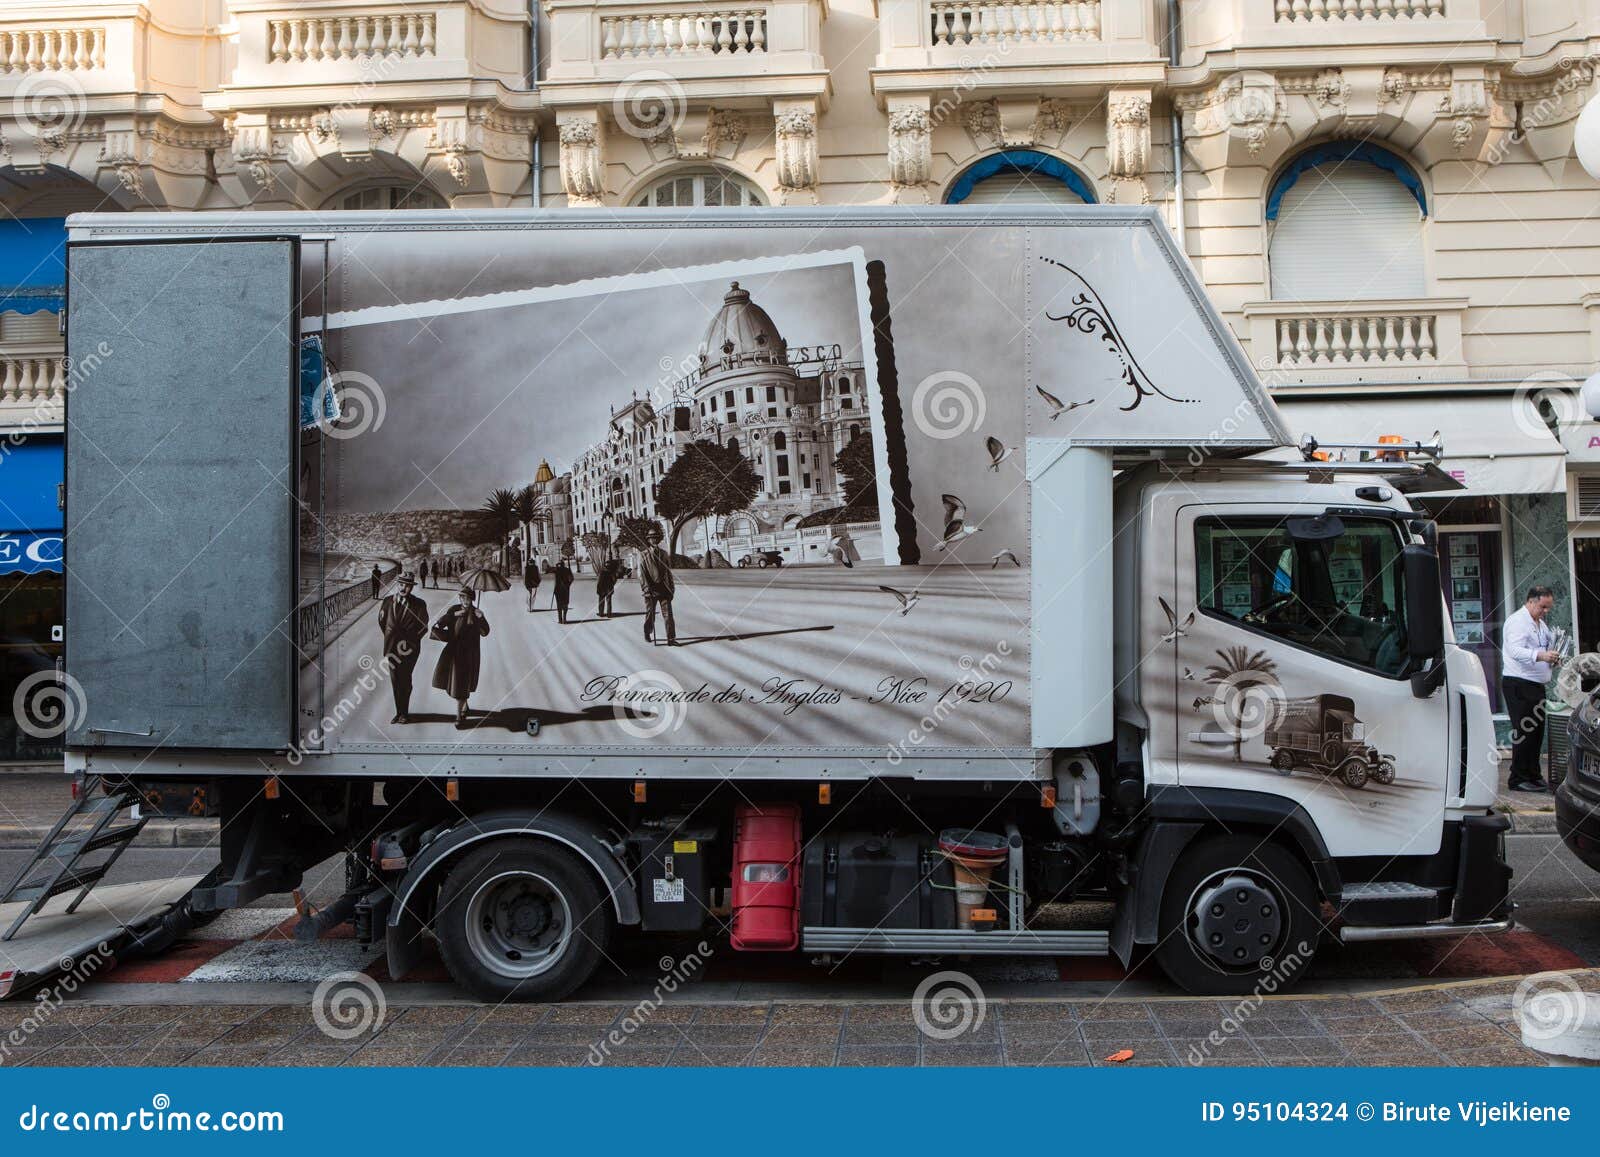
762 558
1578 792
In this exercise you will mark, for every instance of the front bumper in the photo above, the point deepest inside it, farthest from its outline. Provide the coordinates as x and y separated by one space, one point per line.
1578 821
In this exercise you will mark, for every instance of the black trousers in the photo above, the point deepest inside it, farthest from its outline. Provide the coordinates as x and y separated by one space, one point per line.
1525 704
402 665
651 601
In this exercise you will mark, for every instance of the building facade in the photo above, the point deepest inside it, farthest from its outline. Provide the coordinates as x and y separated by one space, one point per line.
789 412
1381 195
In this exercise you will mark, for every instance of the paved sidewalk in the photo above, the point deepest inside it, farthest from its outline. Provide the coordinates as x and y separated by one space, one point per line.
1457 1024
32 801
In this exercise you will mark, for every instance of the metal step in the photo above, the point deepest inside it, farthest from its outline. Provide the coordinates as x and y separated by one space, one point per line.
89 842
955 941
1386 890
44 887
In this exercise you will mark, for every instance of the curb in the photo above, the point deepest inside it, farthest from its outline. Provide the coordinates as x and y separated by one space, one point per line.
1532 823
156 834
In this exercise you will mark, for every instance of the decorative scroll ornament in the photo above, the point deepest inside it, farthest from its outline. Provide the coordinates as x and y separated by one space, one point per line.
1090 316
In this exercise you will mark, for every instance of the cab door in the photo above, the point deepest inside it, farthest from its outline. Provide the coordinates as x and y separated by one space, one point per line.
1293 675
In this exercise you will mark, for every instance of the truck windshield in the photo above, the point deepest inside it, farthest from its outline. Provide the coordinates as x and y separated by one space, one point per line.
1343 597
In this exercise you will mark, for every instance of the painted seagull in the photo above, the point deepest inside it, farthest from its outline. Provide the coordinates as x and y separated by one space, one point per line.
1004 556
955 522
998 451
1057 406
1175 629
906 601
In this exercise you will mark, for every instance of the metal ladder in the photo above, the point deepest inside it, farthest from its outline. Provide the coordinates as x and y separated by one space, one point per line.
62 853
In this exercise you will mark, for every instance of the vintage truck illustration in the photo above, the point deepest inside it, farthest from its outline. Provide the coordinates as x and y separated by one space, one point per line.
1322 732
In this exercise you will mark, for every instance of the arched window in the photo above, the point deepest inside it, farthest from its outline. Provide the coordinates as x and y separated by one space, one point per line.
1020 177
1346 223
733 444
779 442
693 187
416 196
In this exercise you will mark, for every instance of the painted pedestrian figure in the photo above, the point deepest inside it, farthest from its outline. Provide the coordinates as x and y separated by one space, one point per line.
403 620
460 629
563 587
658 586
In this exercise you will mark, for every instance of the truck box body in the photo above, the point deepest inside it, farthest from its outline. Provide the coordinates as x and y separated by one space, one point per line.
923 405
524 558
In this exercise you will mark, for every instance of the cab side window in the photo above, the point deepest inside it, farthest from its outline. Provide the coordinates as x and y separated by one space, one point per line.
1340 596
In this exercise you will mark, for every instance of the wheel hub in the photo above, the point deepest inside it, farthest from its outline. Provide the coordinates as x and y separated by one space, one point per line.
1237 919
518 924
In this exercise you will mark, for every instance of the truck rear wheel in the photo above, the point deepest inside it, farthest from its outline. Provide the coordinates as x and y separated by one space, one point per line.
1239 915
522 920
1354 772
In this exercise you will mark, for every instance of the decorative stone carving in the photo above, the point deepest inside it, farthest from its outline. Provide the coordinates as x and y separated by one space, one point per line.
121 152
1128 133
910 146
1331 89
582 166
982 121
252 149
795 129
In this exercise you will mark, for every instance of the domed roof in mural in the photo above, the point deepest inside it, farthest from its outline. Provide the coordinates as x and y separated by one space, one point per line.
742 330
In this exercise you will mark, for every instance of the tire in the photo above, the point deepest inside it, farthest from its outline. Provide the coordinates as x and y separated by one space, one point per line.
1283 760
522 919
1385 772
1353 772
1332 753
1273 877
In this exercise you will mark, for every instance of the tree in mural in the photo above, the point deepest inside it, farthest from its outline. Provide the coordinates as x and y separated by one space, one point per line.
705 481
858 472
1248 696
633 533
502 505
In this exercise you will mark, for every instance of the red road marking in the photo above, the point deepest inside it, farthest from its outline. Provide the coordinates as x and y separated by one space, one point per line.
170 966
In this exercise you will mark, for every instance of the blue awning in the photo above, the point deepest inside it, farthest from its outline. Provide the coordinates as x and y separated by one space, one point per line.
33 264
31 473
30 553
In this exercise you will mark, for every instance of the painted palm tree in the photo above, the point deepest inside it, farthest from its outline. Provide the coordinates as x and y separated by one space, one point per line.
527 515
1238 674
502 504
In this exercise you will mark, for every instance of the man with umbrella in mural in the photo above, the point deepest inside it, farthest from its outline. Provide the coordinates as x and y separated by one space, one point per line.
403 620
461 629
658 586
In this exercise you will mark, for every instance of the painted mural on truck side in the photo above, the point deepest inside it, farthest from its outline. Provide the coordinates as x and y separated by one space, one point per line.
703 488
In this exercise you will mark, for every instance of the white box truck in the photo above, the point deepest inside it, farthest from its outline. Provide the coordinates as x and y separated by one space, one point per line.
886 581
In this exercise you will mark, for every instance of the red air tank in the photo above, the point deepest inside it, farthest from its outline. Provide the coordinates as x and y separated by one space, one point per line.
766 878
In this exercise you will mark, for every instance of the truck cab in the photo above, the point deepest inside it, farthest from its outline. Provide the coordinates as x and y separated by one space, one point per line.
1288 678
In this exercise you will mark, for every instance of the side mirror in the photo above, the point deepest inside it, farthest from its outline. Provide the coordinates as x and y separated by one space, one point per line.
1424 617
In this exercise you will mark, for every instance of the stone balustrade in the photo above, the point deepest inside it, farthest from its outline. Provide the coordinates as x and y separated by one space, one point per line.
967 22
644 35
317 38
32 377
52 49
1357 341
1313 11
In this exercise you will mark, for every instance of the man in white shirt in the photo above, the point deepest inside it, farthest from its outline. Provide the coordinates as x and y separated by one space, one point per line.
1525 669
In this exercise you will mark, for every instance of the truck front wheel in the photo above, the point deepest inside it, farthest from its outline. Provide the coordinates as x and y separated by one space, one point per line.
1239 915
522 920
